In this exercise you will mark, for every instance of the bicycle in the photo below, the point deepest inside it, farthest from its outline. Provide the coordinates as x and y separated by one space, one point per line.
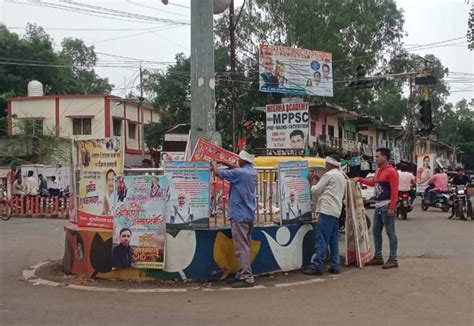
6 209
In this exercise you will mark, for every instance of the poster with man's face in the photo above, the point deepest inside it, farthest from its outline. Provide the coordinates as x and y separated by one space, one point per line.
99 161
287 125
295 196
424 170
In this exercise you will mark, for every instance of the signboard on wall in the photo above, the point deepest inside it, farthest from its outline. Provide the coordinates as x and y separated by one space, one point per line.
295 71
189 194
139 222
424 170
100 160
294 191
287 125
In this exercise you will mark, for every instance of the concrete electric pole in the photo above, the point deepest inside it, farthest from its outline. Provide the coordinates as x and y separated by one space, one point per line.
203 102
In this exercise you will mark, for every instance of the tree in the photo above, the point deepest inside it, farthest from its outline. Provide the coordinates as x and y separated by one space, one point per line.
470 28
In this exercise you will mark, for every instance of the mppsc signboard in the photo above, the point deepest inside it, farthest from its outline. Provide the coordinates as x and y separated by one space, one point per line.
287 125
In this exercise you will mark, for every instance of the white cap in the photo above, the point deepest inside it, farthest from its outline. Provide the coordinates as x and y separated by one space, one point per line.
332 161
243 155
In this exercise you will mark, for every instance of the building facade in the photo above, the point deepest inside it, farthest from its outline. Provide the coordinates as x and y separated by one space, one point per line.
83 116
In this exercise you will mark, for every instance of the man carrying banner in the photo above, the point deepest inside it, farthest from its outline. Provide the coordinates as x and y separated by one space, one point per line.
329 193
385 182
242 206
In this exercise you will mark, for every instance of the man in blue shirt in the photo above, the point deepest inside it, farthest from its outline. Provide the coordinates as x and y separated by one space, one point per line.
242 206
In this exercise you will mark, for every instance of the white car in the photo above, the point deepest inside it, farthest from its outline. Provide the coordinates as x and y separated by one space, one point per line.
368 192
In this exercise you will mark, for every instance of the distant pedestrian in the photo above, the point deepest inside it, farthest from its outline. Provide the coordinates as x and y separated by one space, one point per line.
43 186
385 182
31 184
329 194
242 206
54 187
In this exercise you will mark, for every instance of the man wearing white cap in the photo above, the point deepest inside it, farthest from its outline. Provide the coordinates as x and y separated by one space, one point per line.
329 194
242 206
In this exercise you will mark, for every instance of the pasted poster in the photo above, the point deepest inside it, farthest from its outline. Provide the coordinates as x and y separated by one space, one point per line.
189 194
206 151
172 156
139 222
100 160
294 191
295 71
287 125
424 170
357 233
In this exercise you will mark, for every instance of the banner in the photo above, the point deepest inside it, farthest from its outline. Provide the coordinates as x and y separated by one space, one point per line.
172 156
294 192
287 125
100 160
295 71
206 151
139 222
424 171
189 194
357 233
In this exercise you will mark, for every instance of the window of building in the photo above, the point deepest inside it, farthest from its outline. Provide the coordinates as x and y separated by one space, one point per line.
323 131
117 127
34 127
331 131
132 130
82 126
313 128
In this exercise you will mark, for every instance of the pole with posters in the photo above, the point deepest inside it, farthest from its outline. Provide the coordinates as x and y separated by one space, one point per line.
424 171
139 222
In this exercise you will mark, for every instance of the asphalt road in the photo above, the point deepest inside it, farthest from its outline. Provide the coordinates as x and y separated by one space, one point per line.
433 286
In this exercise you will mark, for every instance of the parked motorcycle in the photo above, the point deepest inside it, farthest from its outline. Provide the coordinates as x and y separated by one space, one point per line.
440 200
404 204
461 203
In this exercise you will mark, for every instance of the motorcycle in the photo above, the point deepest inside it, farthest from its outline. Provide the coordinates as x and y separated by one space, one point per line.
404 204
440 200
461 203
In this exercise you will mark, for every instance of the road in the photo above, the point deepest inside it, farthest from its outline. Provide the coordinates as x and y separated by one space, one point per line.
433 286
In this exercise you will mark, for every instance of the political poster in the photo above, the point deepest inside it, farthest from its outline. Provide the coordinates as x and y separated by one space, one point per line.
287 125
172 156
139 222
295 196
189 195
206 151
295 71
357 233
424 170
100 160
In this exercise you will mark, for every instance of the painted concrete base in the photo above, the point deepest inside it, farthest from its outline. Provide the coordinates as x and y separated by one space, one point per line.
192 254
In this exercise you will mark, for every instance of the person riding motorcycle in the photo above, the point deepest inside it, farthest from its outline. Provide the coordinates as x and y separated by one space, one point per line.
439 182
406 182
460 179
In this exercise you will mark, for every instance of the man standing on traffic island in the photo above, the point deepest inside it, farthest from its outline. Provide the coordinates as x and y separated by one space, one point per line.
385 182
329 194
242 206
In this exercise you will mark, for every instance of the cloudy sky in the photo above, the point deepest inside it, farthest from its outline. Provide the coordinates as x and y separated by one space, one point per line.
438 24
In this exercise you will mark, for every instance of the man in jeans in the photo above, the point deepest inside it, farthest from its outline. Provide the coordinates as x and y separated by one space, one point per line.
385 182
329 193
242 206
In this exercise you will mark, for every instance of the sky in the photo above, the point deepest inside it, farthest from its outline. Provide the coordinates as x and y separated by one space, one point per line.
156 43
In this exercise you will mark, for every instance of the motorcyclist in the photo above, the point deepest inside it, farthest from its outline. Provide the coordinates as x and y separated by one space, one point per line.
406 181
440 184
461 178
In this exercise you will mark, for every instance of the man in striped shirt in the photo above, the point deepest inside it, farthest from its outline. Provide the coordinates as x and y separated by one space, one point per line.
385 182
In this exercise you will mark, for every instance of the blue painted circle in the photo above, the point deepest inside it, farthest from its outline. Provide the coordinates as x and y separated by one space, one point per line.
315 65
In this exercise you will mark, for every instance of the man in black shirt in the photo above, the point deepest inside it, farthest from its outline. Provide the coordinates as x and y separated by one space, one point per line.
122 254
461 179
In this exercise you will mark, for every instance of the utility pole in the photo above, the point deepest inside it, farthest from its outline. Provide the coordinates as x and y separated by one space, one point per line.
203 112
140 110
232 72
